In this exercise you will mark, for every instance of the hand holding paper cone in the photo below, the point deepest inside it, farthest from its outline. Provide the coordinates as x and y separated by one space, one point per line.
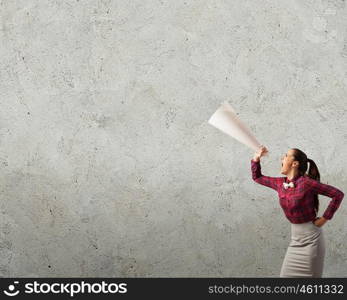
262 151
226 120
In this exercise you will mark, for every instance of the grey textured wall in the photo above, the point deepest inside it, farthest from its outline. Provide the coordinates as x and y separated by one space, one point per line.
108 164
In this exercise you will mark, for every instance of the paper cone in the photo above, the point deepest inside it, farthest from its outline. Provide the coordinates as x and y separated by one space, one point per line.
226 120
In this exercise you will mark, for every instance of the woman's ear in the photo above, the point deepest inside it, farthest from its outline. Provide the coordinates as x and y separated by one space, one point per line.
295 164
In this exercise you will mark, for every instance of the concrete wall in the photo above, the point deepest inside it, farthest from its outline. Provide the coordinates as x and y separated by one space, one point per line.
108 164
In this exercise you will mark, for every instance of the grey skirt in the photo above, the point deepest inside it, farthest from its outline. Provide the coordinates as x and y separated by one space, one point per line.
305 253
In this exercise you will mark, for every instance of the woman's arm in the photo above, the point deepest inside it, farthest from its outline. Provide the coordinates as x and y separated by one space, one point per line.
257 176
330 191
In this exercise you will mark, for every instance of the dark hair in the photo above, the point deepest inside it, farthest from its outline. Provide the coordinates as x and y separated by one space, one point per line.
313 172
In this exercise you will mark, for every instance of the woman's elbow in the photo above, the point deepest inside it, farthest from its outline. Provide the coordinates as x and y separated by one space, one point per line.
341 195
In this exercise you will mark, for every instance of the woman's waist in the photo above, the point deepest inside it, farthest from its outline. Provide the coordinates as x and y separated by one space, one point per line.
304 228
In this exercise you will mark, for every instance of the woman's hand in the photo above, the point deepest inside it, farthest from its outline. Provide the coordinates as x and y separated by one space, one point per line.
261 152
319 222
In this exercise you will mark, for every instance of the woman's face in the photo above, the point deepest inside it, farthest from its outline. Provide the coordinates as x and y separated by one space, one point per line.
287 162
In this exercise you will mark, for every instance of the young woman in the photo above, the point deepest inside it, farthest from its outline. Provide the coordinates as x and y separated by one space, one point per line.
298 197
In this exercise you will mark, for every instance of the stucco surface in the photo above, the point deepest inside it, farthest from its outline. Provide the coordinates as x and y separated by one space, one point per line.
108 164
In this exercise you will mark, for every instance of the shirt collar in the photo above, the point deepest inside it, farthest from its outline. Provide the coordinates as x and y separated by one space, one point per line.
295 178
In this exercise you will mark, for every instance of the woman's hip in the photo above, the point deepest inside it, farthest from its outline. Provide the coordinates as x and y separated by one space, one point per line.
304 230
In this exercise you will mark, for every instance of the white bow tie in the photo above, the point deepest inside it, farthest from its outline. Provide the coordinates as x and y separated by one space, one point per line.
287 185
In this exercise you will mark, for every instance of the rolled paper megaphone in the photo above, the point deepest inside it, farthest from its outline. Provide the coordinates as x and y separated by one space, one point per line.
226 120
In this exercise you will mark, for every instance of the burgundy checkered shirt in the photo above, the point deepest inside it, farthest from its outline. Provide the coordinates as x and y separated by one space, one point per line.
297 202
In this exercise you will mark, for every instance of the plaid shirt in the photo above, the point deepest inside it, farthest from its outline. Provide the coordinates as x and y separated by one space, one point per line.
297 202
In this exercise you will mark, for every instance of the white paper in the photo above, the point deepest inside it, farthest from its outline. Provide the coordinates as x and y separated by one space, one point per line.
226 120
